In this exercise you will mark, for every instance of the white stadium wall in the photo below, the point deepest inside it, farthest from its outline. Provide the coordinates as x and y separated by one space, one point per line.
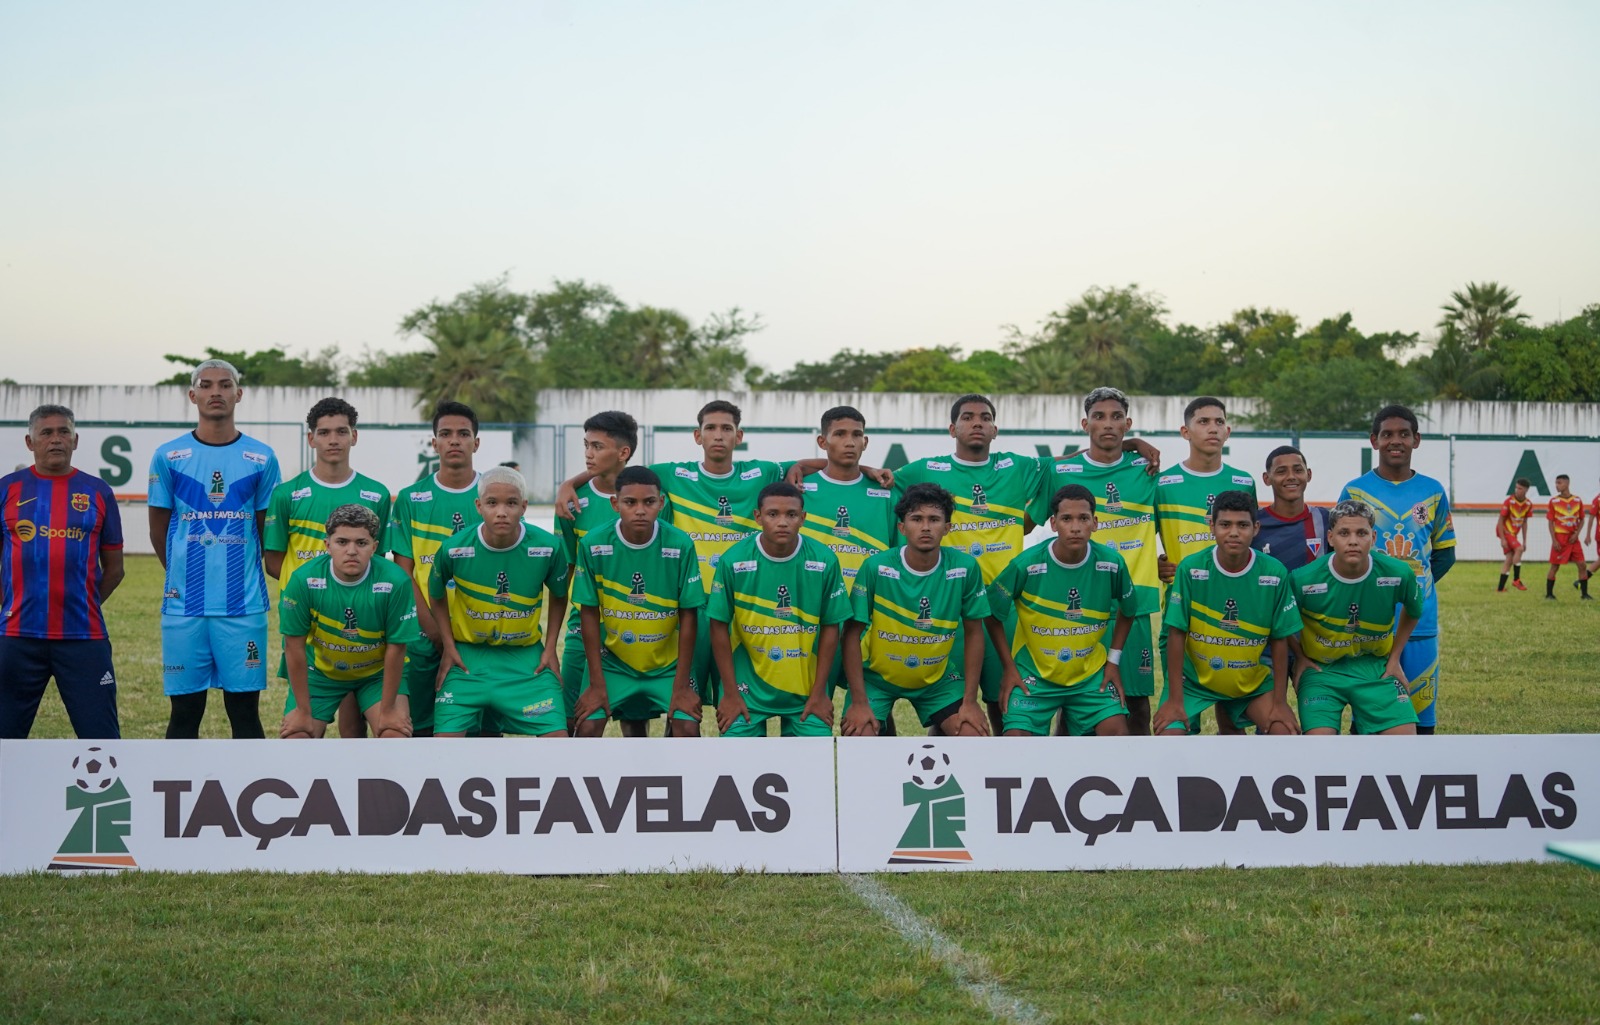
1476 448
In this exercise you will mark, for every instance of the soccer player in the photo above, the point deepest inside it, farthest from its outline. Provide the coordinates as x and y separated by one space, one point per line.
775 608
301 506
609 441
1067 594
639 595
993 493
60 559
1228 606
427 515
1349 652
710 499
916 627
1125 497
1184 494
208 494
1565 514
488 590
1512 529
346 619
1591 533
1292 532
1412 513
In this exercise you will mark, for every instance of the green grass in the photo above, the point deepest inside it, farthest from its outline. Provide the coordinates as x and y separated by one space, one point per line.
1513 662
1412 944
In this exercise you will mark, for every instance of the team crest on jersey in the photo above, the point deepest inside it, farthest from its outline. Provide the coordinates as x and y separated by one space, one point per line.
80 502
252 655
1419 514
1355 616
218 491
457 524
1314 546
502 587
636 591
924 612
841 522
980 501
1145 662
785 607
1230 612
298 493
1211 506
351 631
1113 498
1074 609
724 512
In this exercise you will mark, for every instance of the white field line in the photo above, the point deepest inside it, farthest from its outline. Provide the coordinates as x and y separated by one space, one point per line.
969 973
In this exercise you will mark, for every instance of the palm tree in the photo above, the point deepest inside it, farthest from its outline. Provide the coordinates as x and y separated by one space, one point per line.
482 363
1480 312
1458 370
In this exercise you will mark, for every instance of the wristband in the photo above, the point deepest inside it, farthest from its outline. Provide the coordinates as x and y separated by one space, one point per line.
1114 656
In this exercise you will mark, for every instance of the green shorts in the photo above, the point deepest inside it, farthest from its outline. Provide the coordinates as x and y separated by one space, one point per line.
989 682
326 695
934 703
1083 706
1377 702
763 702
504 681
1138 657
1197 699
574 671
704 670
637 698
422 667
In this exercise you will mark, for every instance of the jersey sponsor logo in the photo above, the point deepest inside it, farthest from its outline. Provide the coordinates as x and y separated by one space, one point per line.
1105 567
815 565
889 571
1140 461
463 553
745 566
958 573
80 502
383 588
1240 478
259 458
1387 581
1002 464
317 583
1038 569
371 496
1069 468
808 486
299 493
1170 478
671 553
540 551
686 473
179 453
997 546
877 492
938 464
1269 581
422 496
750 474
1314 588
1129 546
599 550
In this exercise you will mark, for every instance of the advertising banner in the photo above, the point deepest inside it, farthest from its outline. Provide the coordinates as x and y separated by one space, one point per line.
909 804
527 807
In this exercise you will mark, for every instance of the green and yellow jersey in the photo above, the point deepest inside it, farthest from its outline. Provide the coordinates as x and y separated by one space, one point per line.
716 511
427 515
854 519
1065 613
347 628
638 591
1125 511
913 620
497 595
1229 619
1183 506
992 498
1344 618
594 512
775 609
298 512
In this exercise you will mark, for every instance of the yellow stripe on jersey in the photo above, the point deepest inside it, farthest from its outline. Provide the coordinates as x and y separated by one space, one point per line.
331 646
645 635
479 616
879 601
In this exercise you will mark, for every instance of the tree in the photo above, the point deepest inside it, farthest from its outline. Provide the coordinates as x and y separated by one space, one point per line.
1249 344
1455 369
480 353
267 368
1102 331
1559 362
1182 360
845 370
1481 311
374 369
933 370
1339 394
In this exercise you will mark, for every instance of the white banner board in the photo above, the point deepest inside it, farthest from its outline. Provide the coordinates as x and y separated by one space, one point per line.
1043 804
528 807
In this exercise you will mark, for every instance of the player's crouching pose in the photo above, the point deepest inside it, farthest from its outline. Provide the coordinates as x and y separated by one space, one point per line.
487 593
1229 605
1348 652
776 604
922 609
1065 593
346 619
638 591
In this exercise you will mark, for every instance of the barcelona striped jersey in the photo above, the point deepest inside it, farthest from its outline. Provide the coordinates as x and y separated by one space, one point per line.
53 531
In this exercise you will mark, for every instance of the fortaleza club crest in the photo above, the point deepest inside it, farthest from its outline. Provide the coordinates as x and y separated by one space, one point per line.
105 816
939 812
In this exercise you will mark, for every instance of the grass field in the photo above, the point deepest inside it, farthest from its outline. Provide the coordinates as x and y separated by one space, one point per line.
1413 944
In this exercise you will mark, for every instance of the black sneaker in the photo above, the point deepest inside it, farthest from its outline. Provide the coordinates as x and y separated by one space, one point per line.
1587 597
1549 597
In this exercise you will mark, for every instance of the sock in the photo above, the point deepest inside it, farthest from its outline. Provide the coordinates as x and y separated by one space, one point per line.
1549 588
1516 572
1502 586
1583 585
187 711
1425 731
244 714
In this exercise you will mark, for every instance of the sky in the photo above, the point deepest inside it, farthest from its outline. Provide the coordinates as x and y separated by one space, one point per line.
864 175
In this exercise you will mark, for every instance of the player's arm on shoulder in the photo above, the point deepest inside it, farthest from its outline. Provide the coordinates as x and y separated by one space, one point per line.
567 494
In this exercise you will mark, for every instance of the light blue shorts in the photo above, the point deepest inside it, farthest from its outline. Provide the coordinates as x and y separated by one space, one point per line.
1419 660
202 652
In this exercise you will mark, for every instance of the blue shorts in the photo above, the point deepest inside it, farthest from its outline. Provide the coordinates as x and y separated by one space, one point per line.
202 652
1419 660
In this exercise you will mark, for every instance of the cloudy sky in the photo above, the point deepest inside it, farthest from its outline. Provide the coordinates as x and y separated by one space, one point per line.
873 175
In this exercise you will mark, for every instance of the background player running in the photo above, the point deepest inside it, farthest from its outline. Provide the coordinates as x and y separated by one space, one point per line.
1565 515
916 627
1511 527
